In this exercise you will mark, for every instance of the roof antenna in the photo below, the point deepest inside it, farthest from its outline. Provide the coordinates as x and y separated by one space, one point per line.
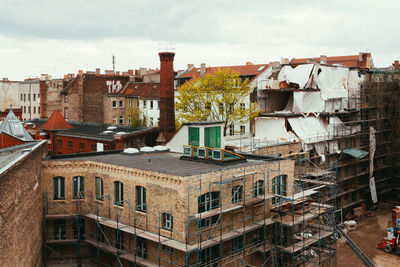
113 62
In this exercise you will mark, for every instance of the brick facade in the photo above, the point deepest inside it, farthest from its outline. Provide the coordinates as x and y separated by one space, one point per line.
21 216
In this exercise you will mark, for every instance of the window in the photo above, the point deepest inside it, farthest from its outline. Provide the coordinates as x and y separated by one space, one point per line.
66 98
151 121
119 239
21 97
158 104
167 221
121 103
209 256
81 146
59 229
34 110
100 232
66 113
151 104
232 130
242 129
29 109
237 244
79 228
129 119
137 103
59 187
114 103
29 97
142 247
144 104
212 137
93 147
24 97
59 142
259 188
206 202
24 109
70 144
141 198
121 119
78 187
237 192
38 110
167 249
99 188
194 139
34 97
119 193
279 187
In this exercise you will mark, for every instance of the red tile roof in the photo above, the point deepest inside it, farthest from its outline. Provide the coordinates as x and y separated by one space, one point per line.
244 70
142 90
363 60
55 122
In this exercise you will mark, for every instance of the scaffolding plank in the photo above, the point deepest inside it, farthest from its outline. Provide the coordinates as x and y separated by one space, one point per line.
130 257
294 220
142 233
61 241
314 181
307 242
59 216
102 246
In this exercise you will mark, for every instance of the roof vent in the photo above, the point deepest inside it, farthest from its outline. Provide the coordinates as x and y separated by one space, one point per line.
160 148
121 133
131 150
147 149
111 128
107 132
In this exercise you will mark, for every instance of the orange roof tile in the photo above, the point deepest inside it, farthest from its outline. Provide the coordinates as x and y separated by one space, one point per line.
55 122
243 70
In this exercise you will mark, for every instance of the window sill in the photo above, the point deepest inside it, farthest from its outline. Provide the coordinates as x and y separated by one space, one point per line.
139 212
60 200
100 201
78 199
118 207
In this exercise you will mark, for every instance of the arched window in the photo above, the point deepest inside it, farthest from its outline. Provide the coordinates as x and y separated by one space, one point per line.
58 187
259 188
141 198
119 193
279 187
78 187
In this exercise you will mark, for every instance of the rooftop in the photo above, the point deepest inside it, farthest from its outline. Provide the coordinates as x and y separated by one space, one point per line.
162 162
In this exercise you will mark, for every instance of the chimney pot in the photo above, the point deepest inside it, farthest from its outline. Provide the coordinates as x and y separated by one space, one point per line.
396 65
203 68
97 71
190 66
249 63
80 72
323 59
117 73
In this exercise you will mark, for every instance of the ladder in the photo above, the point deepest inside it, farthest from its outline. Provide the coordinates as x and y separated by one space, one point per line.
355 248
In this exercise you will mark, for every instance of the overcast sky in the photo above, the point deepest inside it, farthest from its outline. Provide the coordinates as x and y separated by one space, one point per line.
59 37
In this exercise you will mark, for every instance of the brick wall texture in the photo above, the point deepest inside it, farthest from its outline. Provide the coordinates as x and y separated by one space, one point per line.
21 215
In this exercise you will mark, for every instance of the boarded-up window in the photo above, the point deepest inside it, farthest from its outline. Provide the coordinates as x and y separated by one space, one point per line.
212 137
194 139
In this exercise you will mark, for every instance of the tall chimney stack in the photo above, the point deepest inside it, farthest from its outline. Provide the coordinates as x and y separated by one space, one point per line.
167 105
396 65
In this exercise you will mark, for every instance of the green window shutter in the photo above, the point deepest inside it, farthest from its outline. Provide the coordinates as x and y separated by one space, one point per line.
194 139
212 137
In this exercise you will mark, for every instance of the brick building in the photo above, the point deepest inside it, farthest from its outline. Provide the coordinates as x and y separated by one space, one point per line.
79 137
12 132
21 212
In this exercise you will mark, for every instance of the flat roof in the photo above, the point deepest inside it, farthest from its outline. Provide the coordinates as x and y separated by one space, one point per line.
162 162
11 155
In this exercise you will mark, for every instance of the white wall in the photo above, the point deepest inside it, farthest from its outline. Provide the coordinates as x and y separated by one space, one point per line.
9 95
152 114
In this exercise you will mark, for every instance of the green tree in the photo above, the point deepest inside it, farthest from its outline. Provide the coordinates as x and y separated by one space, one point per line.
138 120
218 97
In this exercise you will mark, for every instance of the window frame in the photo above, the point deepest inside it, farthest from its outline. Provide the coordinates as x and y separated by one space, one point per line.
119 239
60 188
114 103
167 221
119 193
59 228
237 193
99 195
80 184
259 188
141 203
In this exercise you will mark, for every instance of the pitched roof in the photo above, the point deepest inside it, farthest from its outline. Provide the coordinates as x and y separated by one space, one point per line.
13 127
55 122
142 90
243 70
363 60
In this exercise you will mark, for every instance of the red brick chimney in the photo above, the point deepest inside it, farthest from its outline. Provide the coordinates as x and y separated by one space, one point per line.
396 65
167 105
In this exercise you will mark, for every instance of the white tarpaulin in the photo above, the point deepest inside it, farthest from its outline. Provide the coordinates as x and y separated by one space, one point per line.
272 129
372 147
337 128
332 81
309 129
353 82
308 102
299 75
